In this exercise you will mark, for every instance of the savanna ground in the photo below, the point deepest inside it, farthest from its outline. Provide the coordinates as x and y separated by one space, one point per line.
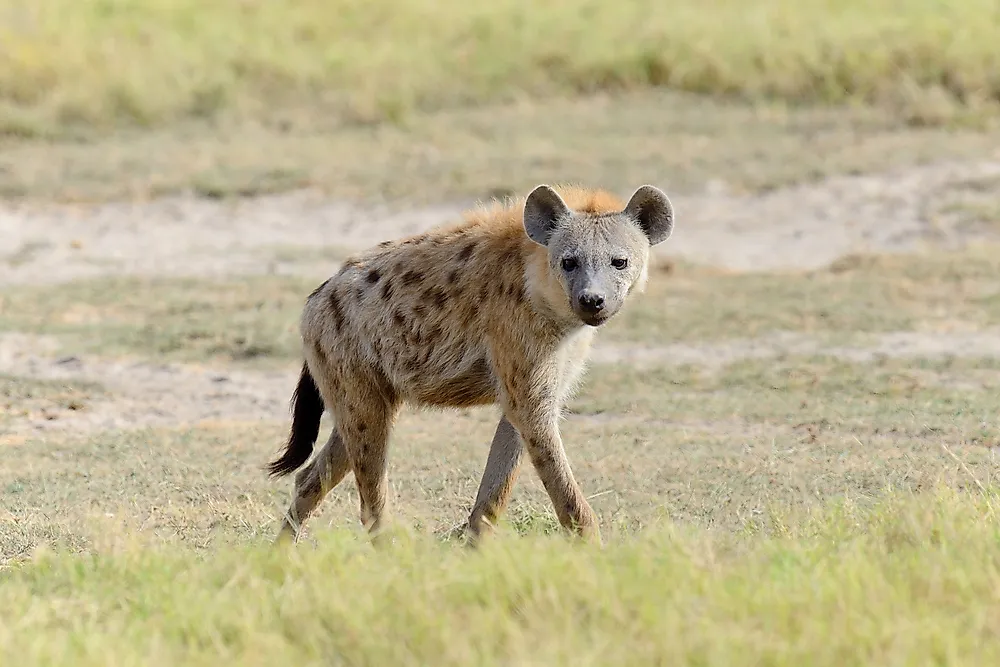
791 438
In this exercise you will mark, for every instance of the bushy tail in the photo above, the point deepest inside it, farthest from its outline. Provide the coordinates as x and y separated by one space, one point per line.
307 410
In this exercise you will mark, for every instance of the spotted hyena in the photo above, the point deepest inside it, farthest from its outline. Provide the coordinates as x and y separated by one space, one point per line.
499 308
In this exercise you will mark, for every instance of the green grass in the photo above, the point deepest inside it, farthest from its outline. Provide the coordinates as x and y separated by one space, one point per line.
911 580
67 64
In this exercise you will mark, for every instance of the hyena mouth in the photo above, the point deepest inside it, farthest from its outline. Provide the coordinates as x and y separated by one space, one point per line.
595 320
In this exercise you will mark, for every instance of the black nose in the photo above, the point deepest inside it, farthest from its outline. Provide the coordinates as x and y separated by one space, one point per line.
591 303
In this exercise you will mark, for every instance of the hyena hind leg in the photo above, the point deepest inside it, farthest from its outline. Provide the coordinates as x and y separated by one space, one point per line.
365 430
313 482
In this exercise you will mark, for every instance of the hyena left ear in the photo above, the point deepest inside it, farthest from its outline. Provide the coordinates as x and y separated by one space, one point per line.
543 209
651 208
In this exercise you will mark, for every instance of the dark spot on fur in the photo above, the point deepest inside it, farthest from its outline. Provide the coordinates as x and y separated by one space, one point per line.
411 277
373 276
387 290
320 354
510 256
359 293
338 314
453 277
436 296
411 364
362 427
465 253
434 333
385 244
420 311
399 319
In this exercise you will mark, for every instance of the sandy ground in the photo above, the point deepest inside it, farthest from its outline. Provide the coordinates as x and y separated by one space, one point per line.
803 227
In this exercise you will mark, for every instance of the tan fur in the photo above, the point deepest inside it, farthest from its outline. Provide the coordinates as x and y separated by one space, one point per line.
467 314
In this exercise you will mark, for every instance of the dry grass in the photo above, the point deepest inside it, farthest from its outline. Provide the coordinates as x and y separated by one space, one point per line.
68 64
21 397
677 140
734 449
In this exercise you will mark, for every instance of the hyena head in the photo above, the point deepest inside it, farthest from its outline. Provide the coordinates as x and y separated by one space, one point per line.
598 258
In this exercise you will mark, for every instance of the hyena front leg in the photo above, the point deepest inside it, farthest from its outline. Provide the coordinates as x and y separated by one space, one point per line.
313 482
502 466
531 406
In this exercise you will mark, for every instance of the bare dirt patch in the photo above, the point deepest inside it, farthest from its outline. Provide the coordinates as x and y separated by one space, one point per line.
806 226
141 394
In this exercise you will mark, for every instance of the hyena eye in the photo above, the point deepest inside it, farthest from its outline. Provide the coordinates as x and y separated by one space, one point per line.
569 263
619 263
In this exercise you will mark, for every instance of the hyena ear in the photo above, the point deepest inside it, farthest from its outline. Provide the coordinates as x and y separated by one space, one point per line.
651 208
542 211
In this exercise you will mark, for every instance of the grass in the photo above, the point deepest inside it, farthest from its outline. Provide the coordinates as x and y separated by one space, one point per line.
678 140
21 396
910 580
255 318
180 319
724 449
150 62
372 101
805 509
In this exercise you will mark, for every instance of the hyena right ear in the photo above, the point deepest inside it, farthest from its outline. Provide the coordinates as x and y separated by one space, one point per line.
651 208
542 211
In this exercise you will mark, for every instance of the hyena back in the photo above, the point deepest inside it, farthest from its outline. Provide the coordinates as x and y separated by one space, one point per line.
497 309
